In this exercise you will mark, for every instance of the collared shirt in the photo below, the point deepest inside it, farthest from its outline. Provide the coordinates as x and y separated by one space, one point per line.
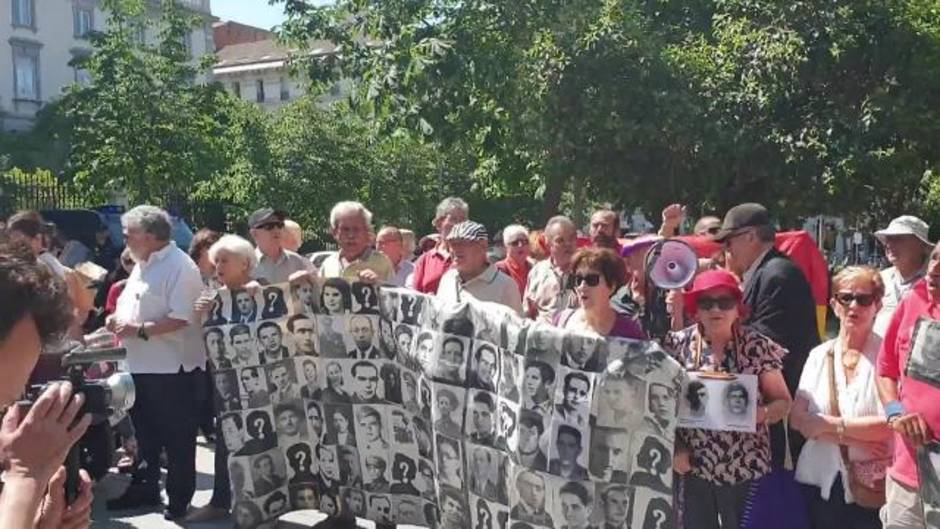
429 268
166 285
895 290
545 292
336 266
271 271
490 285
753 268
402 272
915 395
519 273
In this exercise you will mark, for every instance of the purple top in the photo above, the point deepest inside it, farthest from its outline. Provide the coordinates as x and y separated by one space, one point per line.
624 325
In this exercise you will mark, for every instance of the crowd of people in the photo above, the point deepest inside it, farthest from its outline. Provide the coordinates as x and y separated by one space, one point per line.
843 412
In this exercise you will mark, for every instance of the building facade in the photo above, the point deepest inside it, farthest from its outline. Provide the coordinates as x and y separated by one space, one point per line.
39 38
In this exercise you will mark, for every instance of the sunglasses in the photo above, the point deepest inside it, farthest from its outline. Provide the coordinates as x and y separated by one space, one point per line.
271 226
846 298
591 280
723 303
713 230
519 242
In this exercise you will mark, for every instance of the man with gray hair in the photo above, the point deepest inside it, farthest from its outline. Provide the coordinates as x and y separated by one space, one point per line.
430 267
351 225
276 264
391 242
547 291
472 276
517 264
154 319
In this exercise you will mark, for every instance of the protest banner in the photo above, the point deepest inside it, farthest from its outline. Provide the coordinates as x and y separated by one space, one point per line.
387 405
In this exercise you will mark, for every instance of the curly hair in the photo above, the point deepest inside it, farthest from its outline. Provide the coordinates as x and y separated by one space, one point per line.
30 289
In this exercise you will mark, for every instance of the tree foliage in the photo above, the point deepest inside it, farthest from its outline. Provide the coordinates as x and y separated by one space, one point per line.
810 105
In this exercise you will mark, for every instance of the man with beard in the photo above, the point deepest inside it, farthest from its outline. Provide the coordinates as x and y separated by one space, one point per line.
483 375
243 345
531 506
605 229
568 445
615 500
363 333
367 383
529 454
271 339
481 414
576 398
301 327
283 384
334 392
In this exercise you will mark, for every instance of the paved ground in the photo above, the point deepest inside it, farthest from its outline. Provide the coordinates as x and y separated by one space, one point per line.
114 484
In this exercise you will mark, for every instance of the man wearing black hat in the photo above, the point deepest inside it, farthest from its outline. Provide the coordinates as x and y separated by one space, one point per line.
777 293
275 264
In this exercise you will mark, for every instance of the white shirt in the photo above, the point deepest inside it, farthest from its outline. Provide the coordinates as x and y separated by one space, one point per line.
166 285
895 290
491 285
820 462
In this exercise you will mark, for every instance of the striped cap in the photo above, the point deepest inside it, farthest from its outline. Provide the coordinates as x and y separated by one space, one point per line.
468 231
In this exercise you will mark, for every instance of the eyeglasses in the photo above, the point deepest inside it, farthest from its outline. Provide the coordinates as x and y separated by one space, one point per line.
519 242
713 230
723 303
846 298
271 226
591 280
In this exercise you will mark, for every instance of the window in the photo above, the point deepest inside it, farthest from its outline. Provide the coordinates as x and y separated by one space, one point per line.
25 71
237 89
83 21
285 89
23 13
259 91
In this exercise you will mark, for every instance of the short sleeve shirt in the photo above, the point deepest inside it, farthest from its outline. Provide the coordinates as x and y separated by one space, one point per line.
545 293
491 285
729 458
270 271
336 266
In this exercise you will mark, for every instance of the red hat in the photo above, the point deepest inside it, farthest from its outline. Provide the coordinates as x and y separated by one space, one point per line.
710 280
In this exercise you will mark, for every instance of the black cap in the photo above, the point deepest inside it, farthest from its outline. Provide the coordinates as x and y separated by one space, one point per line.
265 216
742 216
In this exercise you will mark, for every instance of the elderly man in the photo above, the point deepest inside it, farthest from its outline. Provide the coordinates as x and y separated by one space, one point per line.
153 319
910 404
907 249
547 290
430 267
355 260
472 277
605 229
517 263
293 236
390 242
275 263
778 295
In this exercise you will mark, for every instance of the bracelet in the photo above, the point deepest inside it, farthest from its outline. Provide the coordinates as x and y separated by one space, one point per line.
894 409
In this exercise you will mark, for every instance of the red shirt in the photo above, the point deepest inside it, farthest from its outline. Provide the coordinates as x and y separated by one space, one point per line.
519 274
916 396
111 301
428 271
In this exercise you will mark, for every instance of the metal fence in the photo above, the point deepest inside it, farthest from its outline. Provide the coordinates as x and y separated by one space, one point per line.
39 190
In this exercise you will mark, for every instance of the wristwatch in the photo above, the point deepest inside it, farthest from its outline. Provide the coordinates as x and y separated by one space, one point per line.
142 332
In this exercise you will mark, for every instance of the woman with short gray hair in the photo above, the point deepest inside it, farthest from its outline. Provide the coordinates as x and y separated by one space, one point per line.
430 267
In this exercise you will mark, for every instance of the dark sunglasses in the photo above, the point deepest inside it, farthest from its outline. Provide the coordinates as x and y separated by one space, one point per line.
271 226
519 242
592 280
713 230
845 299
723 303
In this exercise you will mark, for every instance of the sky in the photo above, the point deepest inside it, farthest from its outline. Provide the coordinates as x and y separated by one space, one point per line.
256 13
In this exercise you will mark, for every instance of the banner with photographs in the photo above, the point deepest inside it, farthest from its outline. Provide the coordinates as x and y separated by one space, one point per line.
924 361
389 406
928 468
727 404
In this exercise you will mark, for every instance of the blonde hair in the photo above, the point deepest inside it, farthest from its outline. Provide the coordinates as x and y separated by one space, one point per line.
856 274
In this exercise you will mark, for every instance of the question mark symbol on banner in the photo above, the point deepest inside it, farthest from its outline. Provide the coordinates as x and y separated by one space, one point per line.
301 459
259 427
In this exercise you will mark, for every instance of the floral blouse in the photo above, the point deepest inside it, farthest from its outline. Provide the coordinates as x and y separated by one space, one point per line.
728 458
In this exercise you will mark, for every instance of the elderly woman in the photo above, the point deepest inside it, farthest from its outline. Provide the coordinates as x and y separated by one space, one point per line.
597 274
517 263
720 466
430 267
234 260
848 438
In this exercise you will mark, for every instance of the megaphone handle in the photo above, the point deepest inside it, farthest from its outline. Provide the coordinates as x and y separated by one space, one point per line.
72 478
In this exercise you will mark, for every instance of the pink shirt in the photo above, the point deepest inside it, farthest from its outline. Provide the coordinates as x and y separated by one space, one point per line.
916 396
429 268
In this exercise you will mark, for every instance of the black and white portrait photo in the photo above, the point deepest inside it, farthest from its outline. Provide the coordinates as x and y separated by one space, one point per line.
583 353
214 340
423 437
226 393
380 509
574 501
259 429
696 399
449 462
512 368
335 297
362 331
275 504
271 342
371 429
375 472
424 352
350 467
531 493
928 471
365 383
330 330
544 342
718 404
661 409
484 367
303 497
451 363
340 429
290 422
301 463
305 297
484 469
244 307
365 299
530 450
425 479
315 421
404 473
448 410
388 303
310 383
615 503
652 464
354 501
485 324
574 397
241 341
453 508
328 461
391 382
481 417
387 339
282 381
233 432
268 472
274 303
410 308
610 454
617 395
404 338
506 428
240 477
303 335
408 511
568 453
409 392
254 383
538 387
336 391
403 434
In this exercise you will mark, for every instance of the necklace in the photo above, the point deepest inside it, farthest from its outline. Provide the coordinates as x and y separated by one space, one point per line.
850 359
